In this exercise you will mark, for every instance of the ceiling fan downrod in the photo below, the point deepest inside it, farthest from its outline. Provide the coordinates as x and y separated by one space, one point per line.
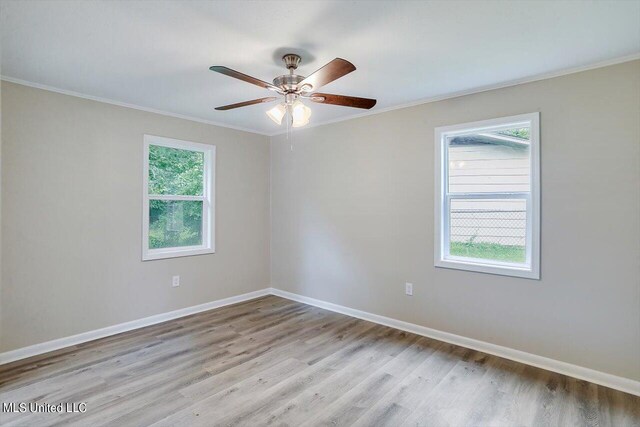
289 82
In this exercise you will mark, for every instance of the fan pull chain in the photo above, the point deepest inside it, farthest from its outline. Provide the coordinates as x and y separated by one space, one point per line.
289 128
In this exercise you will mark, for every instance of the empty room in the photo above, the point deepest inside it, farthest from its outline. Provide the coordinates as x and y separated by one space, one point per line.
320 213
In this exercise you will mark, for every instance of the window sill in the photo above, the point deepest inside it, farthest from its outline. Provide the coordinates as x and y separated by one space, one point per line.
480 267
154 254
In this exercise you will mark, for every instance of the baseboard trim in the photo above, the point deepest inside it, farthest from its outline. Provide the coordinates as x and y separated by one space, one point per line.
45 347
608 380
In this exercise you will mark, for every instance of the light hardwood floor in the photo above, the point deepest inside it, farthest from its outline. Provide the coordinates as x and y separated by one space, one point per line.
271 361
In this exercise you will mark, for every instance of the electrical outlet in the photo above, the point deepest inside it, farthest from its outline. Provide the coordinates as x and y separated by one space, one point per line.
408 289
176 281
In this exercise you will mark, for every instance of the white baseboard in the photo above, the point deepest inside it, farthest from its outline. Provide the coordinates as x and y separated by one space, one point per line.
608 380
45 347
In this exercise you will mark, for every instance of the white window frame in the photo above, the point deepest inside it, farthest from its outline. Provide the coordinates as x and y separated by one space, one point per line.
531 268
207 198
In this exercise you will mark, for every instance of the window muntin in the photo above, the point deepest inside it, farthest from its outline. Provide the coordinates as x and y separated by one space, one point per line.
178 198
487 216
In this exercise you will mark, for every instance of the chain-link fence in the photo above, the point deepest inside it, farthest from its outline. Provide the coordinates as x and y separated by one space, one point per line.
503 227
497 233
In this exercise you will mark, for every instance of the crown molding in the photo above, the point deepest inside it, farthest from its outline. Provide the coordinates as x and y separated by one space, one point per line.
509 83
126 104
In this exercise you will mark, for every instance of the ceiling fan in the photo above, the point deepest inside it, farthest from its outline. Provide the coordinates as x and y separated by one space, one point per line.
293 87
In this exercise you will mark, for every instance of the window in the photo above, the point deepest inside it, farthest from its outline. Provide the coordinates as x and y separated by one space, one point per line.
178 198
488 196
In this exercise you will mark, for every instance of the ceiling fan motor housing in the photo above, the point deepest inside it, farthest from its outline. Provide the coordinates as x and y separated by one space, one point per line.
288 82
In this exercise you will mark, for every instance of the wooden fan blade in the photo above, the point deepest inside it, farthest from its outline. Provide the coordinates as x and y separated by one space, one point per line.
245 103
245 78
346 101
330 72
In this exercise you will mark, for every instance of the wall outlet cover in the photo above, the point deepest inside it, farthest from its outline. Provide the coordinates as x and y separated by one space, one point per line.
408 289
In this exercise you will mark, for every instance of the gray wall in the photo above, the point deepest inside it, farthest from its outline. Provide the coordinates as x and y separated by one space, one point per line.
352 220
71 221
1 212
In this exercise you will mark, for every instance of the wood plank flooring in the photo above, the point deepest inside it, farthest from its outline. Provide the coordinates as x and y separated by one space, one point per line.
271 361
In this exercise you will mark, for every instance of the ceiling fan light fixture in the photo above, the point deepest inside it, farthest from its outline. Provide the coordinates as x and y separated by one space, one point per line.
277 113
292 86
300 114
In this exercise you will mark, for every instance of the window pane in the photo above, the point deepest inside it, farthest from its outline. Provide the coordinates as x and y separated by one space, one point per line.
488 229
489 162
175 172
175 223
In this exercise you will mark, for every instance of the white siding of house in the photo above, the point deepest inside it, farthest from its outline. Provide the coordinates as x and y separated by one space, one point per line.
482 169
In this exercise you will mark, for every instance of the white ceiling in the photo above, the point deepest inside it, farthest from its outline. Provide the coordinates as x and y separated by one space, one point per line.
156 54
